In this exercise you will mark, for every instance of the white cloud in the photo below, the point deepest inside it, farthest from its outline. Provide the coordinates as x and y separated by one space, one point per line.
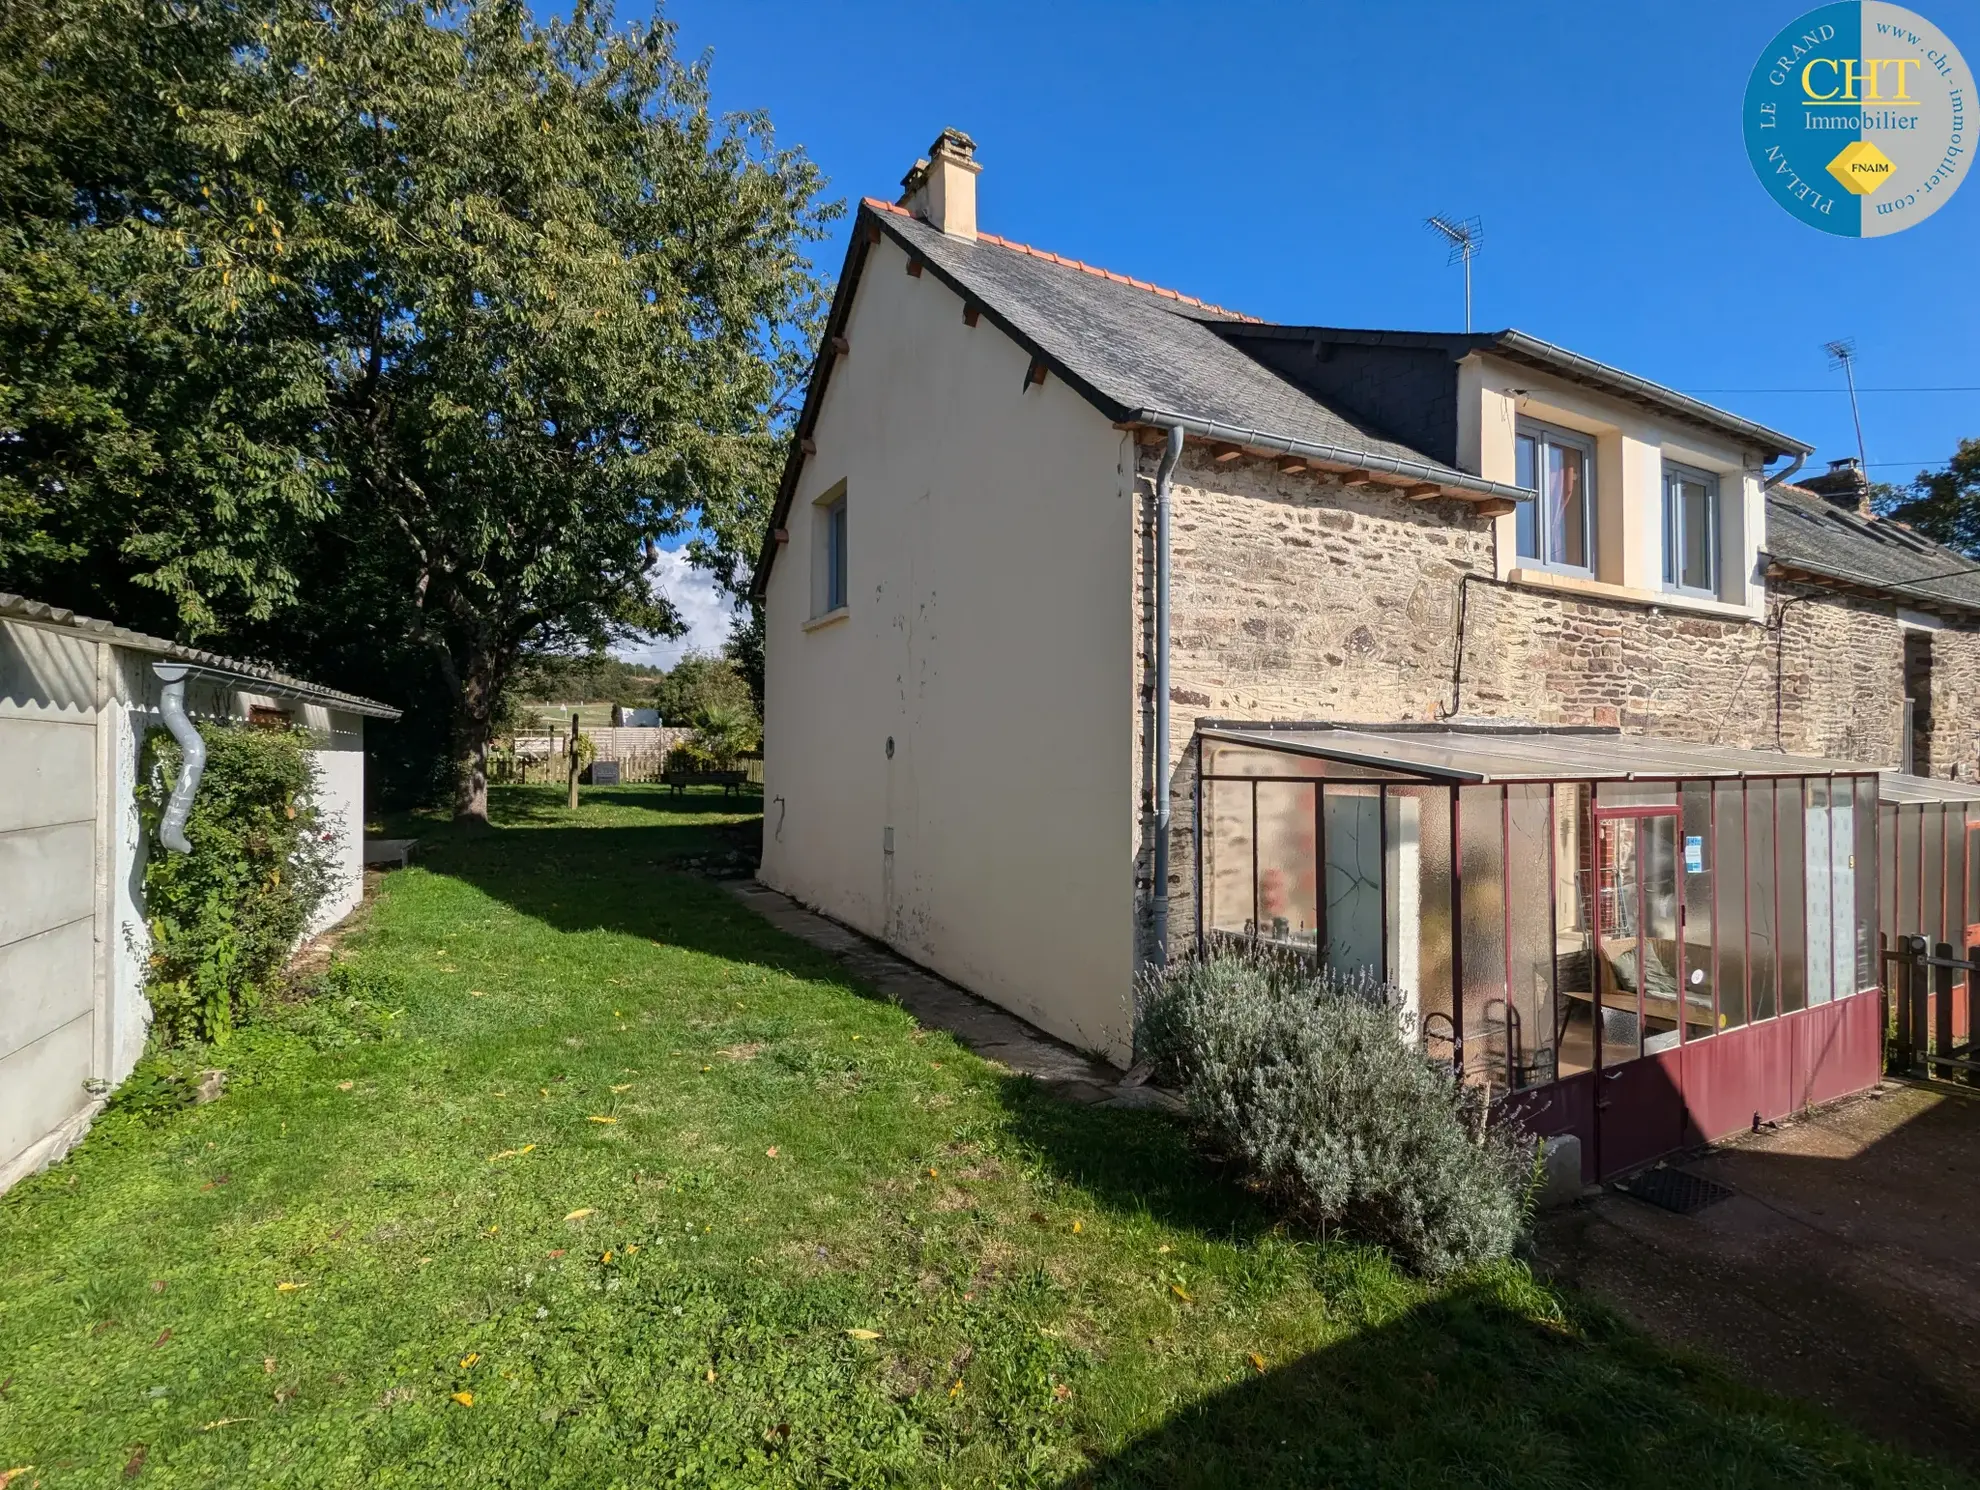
709 611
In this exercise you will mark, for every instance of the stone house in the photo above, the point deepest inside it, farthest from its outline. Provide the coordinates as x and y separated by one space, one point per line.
972 606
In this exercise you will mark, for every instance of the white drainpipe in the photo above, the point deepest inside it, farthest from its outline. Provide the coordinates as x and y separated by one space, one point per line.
172 705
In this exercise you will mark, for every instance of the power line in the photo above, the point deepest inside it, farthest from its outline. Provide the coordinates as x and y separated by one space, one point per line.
1948 389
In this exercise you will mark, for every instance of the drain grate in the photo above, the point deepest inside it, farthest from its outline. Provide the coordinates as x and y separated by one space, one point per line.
1675 1190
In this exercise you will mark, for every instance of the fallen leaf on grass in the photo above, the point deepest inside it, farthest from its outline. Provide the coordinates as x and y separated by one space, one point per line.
608 1255
8 1476
543 1091
203 1427
468 1360
632 1249
474 993
1257 1362
466 1399
581 1212
956 1390
933 1173
711 1373
268 1365
1163 1248
559 1252
163 1336
1177 1290
135 1463
625 1088
1061 1391
596 1119
771 1152
511 1153
345 1086
158 1285
289 1287
864 1334
708 1068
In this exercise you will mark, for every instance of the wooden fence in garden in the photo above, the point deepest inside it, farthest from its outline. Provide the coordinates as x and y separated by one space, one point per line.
641 755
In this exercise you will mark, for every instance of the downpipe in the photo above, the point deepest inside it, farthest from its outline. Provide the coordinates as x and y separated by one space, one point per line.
1164 474
172 706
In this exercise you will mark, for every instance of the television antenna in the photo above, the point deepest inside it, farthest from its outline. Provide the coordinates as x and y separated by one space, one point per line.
1842 354
1466 235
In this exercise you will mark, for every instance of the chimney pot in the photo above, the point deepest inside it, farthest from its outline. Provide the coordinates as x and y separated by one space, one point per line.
941 190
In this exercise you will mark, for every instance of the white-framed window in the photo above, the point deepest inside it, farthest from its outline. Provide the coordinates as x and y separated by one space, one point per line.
1557 530
828 552
1691 530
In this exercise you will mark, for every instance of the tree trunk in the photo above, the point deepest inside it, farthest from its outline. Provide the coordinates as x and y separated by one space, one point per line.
473 723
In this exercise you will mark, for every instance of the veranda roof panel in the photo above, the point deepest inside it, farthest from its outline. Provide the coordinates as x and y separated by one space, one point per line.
1486 753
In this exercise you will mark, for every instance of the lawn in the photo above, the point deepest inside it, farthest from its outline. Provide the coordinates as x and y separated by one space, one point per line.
634 1191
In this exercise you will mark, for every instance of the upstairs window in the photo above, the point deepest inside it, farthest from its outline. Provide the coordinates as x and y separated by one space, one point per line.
828 553
1556 530
1691 531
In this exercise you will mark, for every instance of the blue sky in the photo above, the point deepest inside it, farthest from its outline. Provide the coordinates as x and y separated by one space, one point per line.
1280 160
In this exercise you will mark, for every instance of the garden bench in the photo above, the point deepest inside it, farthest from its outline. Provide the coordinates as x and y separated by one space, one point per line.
731 782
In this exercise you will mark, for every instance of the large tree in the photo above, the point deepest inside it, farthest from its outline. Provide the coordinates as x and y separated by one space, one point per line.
510 303
1944 504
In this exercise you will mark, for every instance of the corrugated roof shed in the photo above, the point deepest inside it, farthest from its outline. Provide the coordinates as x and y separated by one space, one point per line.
36 613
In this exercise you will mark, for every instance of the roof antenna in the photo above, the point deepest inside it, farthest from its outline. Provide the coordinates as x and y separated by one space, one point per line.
1842 354
1466 236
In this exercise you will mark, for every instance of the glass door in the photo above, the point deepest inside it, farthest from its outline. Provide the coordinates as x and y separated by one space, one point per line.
1639 965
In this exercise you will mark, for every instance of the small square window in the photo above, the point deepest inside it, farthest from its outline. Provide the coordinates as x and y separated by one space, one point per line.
1556 530
1691 530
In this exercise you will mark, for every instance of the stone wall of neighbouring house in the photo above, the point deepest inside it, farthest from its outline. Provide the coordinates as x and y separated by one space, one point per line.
1298 598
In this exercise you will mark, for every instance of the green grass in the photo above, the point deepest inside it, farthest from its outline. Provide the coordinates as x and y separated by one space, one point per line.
683 1294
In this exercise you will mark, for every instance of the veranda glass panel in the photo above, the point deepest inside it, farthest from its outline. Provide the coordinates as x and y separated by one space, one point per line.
1227 859
1904 918
1842 875
1482 932
1932 873
1869 866
1818 871
1760 909
1352 845
1791 936
1221 758
1531 1037
1636 794
1955 919
1729 884
1288 905
1662 995
1972 874
1418 887
1574 937
1887 873
1700 880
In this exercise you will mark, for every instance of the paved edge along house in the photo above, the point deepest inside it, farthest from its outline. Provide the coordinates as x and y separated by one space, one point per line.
988 653
77 698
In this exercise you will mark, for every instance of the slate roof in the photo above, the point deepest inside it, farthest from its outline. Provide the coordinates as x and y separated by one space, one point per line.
1138 353
37 613
1813 536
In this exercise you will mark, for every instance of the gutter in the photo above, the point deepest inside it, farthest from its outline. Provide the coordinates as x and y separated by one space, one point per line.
1785 472
1341 455
1164 475
172 705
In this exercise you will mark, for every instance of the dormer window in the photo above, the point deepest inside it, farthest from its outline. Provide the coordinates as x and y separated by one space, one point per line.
1691 530
1556 530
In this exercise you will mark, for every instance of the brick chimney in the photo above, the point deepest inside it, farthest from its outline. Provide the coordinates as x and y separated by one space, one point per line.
941 190
1845 483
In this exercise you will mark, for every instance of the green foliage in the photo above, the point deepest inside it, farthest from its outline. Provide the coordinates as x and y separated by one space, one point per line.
548 678
456 312
701 687
1944 505
350 1004
224 918
1314 1084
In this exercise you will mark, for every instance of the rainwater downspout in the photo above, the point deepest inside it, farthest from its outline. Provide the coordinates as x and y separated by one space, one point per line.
1785 472
1171 453
172 706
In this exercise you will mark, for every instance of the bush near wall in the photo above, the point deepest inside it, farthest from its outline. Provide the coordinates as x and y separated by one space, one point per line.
1314 1085
224 918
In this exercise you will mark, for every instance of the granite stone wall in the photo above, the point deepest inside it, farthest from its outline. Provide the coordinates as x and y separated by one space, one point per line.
1296 597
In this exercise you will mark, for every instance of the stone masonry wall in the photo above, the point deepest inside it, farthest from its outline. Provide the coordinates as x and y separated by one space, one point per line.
1295 597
